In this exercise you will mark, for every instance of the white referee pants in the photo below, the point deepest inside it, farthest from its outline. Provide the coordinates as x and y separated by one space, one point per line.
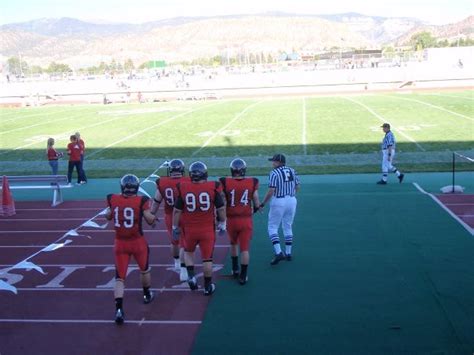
282 211
387 165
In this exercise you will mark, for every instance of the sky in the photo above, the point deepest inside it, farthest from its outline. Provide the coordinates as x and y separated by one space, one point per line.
435 12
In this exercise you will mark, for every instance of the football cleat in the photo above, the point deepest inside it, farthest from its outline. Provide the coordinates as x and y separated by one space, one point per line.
149 298
400 178
277 259
288 257
381 182
235 273
183 274
209 290
119 316
243 280
192 282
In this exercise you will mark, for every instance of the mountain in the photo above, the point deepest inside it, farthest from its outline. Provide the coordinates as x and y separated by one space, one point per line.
450 32
80 43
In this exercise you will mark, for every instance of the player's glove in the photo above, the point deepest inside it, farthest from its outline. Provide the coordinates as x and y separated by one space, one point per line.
176 233
221 228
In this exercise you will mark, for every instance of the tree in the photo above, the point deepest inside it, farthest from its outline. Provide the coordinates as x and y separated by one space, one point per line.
58 68
36 69
423 40
128 65
15 67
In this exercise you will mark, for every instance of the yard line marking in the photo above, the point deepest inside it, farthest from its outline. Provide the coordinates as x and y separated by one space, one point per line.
433 106
383 120
451 213
35 115
101 321
147 129
305 151
240 114
66 132
42 123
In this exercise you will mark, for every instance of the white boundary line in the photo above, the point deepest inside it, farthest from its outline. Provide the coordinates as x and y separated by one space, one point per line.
434 106
214 135
82 231
303 138
383 120
148 129
102 321
451 213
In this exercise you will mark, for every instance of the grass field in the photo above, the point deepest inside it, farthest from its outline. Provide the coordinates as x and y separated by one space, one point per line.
323 134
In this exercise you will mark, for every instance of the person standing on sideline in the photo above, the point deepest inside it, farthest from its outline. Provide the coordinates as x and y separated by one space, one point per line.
196 207
388 154
74 151
53 156
83 147
166 189
241 193
282 188
127 211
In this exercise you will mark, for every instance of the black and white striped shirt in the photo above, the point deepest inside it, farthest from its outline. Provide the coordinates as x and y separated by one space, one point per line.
284 180
388 140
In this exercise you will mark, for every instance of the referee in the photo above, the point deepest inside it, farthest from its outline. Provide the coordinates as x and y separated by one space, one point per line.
388 155
282 187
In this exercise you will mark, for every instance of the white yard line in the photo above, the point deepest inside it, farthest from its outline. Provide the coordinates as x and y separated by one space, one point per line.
100 321
434 106
303 138
383 120
214 135
451 213
147 129
101 122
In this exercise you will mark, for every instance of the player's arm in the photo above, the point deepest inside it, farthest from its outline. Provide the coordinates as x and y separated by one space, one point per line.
108 210
150 218
177 211
157 199
255 197
221 213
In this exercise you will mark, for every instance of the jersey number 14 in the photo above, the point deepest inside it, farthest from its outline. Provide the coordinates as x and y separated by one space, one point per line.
244 200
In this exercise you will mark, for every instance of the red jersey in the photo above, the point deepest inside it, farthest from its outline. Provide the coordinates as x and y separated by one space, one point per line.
168 190
239 195
198 202
83 145
52 154
75 151
127 214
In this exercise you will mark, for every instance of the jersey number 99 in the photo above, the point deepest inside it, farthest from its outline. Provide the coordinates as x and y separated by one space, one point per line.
203 202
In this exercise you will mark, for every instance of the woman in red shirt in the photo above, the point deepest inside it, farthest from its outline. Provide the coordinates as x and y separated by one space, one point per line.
74 150
53 156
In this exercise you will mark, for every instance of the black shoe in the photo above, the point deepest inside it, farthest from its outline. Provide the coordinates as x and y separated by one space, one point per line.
400 178
192 282
149 298
277 259
381 182
288 257
119 316
235 273
209 290
243 280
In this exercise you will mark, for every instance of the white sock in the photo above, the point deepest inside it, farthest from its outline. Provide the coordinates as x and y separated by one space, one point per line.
398 173
277 248
288 249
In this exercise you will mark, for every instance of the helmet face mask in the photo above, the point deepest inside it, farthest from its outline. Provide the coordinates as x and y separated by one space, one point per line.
238 167
198 171
129 184
176 168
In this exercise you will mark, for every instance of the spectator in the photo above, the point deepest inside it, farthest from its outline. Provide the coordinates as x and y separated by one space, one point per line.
53 156
83 147
74 151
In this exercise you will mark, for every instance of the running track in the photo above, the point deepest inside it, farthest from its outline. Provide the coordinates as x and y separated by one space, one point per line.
70 309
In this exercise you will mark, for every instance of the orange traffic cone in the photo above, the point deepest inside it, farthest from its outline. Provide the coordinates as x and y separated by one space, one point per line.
7 203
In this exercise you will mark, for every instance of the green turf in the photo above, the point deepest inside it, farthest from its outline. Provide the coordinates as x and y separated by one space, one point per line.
395 277
315 126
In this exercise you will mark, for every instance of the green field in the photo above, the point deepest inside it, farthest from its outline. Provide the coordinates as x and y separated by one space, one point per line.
322 134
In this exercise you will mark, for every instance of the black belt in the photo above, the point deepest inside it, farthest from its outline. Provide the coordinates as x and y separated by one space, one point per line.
283 196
